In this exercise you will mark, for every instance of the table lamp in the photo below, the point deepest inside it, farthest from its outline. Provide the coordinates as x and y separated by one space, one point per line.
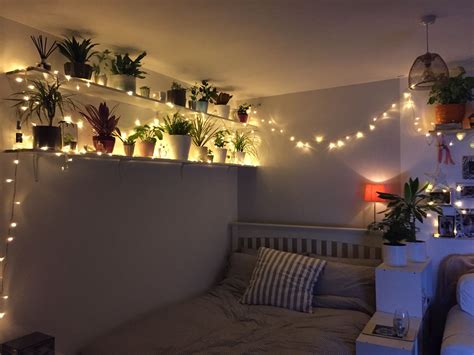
370 195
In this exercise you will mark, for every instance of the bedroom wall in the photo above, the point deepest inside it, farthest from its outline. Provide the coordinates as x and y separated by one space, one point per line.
316 186
104 242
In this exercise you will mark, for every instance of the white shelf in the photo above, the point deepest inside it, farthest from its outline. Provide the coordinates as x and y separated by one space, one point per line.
87 87
110 157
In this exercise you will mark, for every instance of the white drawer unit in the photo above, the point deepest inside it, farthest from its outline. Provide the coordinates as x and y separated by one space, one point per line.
407 288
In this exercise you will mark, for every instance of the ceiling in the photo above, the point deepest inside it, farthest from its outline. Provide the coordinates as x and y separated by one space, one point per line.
264 47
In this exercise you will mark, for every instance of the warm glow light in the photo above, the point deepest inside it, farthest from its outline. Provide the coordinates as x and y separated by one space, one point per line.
428 134
436 235
451 144
273 129
372 127
137 122
370 192
394 105
26 98
13 225
416 123
348 137
332 145
458 203
68 119
156 122
80 124
5 297
170 104
340 143
431 203
281 131
385 114
130 93
2 315
99 153
306 145
24 108
77 87
88 84
58 154
359 135
374 119
44 148
428 215
438 133
458 188
460 135
19 80
68 77
319 139
300 144
417 118
418 129
16 161
406 95
10 239
17 203
2 258
429 187
56 72
292 138
31 87
8 180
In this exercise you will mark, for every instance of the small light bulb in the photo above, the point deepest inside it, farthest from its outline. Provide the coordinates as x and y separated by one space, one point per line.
458 188
463 212
359 135
428 215
436 235
77 87
31 87
2 315
137 122
68 77
438 133
460 136
26 98
306 145
8 181
5 297
300 144
281 131
458 203
10 239
385 114
255 111
429 187
2 258
394 105
273 129
68 119
19 80
13 225
372 127
374 119
130 93
332 145
406 95
99 153
428 134
451 144
416 123
17 203
292 138
340 143
170 104
418 129
88 84
56 72
156 122
263 121
319 139
417 118
16 161
431 203
24 108
80 124
348 137
44 148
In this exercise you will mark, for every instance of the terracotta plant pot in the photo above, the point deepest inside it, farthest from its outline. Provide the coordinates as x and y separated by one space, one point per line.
78 70
123 82
450 113
243 117
47 137
104 144
128 149
146 149
220 154
179 146
201 106
177 97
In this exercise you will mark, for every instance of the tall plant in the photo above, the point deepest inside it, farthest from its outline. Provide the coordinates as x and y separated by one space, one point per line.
455 90
202 131
123 64
220 139
75 51
177 124
43 101
243 142
102 119
403 211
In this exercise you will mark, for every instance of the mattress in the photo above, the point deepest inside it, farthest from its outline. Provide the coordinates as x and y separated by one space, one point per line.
218 323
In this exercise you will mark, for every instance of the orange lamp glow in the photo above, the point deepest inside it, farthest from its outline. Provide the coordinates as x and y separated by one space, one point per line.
370 193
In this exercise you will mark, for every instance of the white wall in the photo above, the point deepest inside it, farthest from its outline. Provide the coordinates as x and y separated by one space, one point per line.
102 243
316 186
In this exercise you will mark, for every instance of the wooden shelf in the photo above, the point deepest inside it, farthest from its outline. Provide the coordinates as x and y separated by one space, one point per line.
97 156
87 87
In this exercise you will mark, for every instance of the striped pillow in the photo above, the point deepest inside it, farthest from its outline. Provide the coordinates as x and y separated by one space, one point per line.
284 280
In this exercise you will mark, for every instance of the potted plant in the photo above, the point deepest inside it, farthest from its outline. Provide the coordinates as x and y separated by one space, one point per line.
194 92
147 136
145 91
43 101
220 151
78 54
394 231
221 101
125 72
178 129
406 210
104 124
202 131
207 93
243 144
451 96
177 94
104 60
43 50
69 141
128 142
242 112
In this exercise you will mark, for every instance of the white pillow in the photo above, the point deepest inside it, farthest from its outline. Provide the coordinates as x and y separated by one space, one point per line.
465 293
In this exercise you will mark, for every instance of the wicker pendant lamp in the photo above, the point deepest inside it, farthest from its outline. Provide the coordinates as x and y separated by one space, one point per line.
429 68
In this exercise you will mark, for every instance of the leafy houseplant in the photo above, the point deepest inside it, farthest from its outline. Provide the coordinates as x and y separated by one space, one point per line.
69 140
243 144
220 141
43 102
148 135
403 212
193 95
221 101
125 72
104 124
207 93
104 61
43 50
242 112
202 131
176 95
128 141
178 129
451 95
78 54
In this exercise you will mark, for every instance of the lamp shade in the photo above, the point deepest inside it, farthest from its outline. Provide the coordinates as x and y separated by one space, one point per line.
370 192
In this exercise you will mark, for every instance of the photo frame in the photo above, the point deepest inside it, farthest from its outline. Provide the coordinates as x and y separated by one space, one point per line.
468 167
446 226
465 223
440 198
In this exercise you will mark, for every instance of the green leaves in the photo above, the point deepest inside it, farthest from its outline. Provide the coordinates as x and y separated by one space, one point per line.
243 108
220 139
243 142
202 131
123 64
207 91
148 133
75 51
177 124
454 90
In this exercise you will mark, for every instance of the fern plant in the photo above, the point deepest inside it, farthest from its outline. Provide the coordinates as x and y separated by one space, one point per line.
102 119
75 51
202 131
177 124
44 100
123 64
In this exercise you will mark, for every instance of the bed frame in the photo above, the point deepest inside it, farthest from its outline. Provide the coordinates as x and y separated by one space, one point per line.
338 242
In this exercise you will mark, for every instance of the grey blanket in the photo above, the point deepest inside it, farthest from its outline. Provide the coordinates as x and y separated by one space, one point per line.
216 323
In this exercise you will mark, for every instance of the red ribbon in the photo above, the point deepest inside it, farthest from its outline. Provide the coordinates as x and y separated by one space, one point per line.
443 147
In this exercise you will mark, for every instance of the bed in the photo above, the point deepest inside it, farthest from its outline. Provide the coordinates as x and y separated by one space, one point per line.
217 322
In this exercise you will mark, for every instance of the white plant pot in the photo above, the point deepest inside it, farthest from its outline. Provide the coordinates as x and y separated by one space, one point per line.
395 255
179 146
201 154
417 251
220 154
201 106
222 110
239 157
123 82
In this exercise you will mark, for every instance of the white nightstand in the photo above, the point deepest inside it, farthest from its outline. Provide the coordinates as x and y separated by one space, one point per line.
408 288
375 345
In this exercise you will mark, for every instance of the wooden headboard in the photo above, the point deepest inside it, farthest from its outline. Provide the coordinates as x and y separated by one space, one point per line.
355 243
